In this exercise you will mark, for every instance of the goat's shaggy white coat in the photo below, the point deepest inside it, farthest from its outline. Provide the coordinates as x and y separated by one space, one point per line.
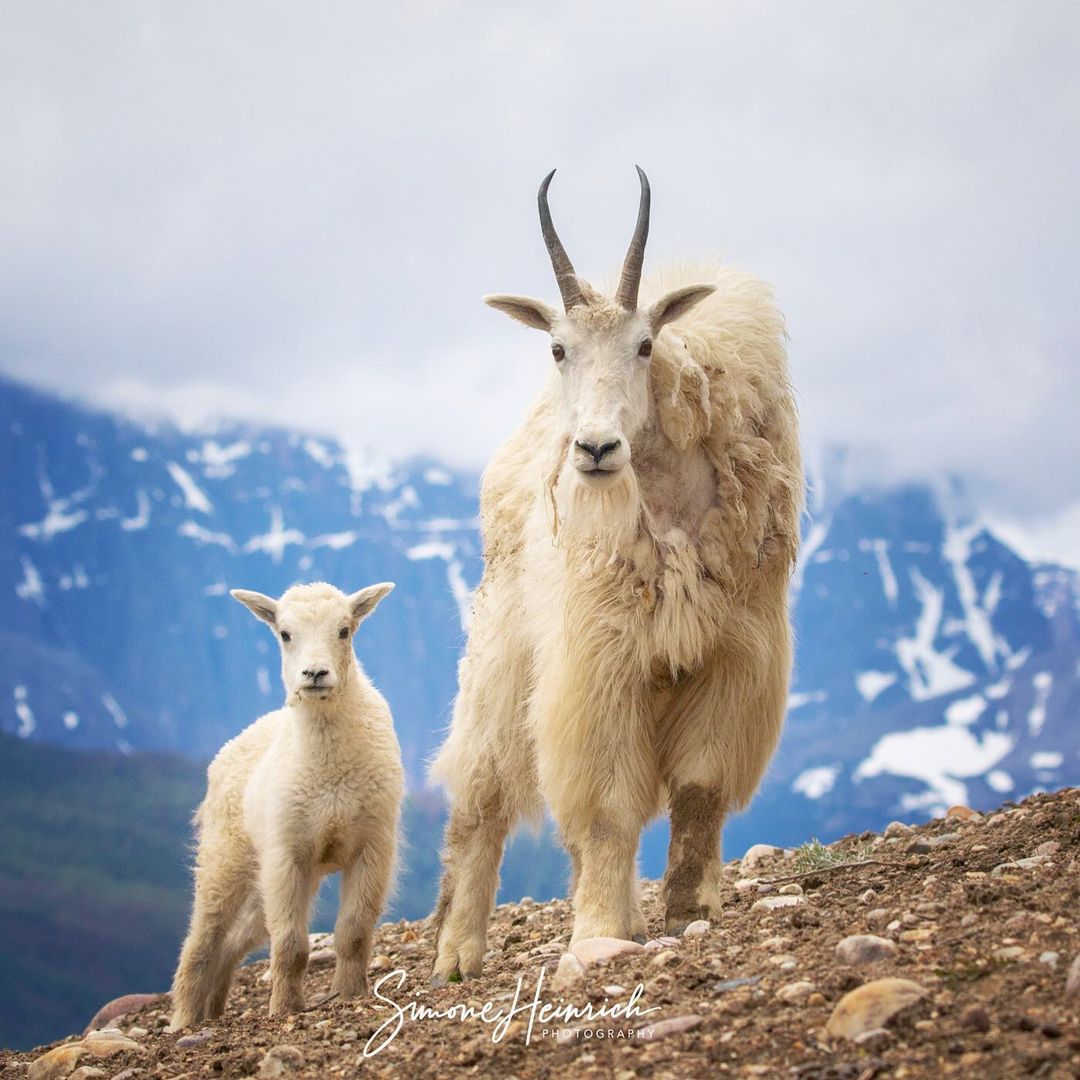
630 647
312 788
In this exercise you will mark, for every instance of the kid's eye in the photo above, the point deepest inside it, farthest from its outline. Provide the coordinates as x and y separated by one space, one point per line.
343 632
645 349
558 352
286 636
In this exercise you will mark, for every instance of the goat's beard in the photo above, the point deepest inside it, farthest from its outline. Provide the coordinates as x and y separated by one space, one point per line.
603 515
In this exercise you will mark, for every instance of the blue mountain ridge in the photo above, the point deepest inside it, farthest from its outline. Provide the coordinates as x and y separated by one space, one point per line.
934 664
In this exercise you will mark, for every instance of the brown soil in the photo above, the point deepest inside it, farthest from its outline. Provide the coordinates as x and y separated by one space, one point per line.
992 952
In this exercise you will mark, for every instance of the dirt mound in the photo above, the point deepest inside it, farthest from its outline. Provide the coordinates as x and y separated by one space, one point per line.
948 949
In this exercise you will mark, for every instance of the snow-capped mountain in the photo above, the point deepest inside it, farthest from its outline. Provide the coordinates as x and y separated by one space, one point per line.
934 665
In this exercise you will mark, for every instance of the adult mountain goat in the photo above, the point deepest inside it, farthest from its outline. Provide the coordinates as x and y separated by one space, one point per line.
630 645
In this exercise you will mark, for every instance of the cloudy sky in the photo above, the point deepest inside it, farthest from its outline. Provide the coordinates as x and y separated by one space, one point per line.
289 211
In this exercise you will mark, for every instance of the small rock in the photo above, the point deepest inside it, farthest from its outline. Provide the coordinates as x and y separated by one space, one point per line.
666 958
136 1032
766 887
735 984
746 884
195 1040
697 928
858 949
970 919
795 993
874 1039
279 1060
1009 952
871 1006
868 897
87 1072
879 917
57 1062
919 847
382 962
975 1018
964 813
1072 982
816 999
1018 864
526 901
943 838
792 888
321 958
758 852
670 1027
615 990
782 960
896 828
1050 959
995 819
570 971
597 950
923 933
778 941
774 903
1048 847
118 1007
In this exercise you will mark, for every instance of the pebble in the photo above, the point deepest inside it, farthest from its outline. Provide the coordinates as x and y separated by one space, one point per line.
970 919
923 933
782 960
1072 982
746 884
598 950
570 971
118 1007
669 1027
793 888
879 917
697 928
666 958
615 990
774 903
896 828
1048 847
1050 959
735 984
195 1040
816 999
868 897
919 847
858 949
758 852
944 838
1018 864
871 1006
964 813
1009 952
975 1018
382 962
795 993
874 1039
321 958
279 1060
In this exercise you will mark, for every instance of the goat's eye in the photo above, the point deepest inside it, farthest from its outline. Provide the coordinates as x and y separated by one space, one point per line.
558 352
286 636
343 632
645 348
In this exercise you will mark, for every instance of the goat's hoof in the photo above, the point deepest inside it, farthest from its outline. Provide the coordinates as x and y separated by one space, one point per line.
640 939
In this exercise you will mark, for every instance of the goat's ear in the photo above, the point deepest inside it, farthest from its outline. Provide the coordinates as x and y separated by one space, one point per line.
669 308
364 602
262 607
531 312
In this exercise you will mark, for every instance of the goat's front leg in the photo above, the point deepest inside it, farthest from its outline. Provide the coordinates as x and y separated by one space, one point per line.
364 886
288 887
692 880
605 893
471 855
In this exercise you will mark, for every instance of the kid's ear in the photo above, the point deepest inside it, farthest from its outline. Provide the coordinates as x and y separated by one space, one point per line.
531 312
669 308
364 602
262 607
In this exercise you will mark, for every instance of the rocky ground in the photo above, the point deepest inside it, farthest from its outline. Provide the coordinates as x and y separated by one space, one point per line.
949 949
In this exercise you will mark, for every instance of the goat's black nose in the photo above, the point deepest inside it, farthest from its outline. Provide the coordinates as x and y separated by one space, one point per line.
315 676
598 453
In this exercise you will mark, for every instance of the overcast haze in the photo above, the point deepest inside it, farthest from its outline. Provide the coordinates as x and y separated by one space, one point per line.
289 212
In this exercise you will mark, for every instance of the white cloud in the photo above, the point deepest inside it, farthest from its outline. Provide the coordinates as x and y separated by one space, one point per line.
291 214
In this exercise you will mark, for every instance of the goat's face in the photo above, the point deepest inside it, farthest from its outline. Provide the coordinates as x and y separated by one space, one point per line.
314 625
602 348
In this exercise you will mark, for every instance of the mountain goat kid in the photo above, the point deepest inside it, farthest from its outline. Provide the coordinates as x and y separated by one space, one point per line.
307 790
630 649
